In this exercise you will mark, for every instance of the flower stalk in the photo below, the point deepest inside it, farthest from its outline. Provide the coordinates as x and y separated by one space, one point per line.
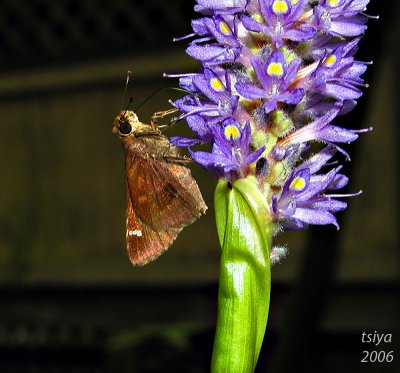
245 275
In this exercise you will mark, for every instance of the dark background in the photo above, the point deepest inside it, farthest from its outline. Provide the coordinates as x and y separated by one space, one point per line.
69 299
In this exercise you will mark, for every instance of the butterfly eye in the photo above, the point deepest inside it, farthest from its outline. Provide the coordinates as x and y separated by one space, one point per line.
125 128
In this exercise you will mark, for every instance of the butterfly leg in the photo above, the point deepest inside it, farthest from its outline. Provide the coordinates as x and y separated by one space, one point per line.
154 132
162 114
182 159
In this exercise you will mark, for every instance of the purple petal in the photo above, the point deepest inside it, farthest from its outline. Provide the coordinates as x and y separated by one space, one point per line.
339 182
354 71
254 156
316 162
198 125
331 205
186 82
356 5
318 217
298 9
294 224
292 70
341 91
252 25
199 26
261 73
337 134
208 159
246 135
346 28
300 34
292 97
211 53
270 105
184 141
250 91
225 6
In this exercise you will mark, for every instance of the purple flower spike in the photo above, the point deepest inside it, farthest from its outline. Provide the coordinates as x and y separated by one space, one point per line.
275 75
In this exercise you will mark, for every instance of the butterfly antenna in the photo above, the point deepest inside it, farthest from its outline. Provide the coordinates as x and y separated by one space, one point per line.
147 99
159 90
127 106
128 76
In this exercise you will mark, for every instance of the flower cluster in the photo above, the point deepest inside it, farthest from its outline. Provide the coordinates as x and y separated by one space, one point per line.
275 75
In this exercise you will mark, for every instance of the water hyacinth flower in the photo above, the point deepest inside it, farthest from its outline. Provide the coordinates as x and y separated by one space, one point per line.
301 200
231 156
276 77
340 17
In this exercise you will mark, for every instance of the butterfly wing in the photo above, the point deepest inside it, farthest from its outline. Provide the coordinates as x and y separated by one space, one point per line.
162 198
144 243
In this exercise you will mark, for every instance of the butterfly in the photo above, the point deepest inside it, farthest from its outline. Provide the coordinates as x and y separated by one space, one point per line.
162 195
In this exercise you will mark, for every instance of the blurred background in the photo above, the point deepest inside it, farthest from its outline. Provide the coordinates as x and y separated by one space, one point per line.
70 301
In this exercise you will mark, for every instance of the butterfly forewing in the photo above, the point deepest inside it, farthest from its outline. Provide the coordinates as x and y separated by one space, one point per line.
173 200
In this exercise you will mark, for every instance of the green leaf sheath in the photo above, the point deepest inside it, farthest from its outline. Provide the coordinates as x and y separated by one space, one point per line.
243 224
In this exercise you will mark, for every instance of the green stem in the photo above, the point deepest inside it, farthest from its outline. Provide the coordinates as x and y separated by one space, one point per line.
243 224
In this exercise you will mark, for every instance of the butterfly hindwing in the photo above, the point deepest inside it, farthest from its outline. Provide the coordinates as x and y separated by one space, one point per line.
144 243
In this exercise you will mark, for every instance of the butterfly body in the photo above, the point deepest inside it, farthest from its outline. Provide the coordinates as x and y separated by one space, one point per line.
162 195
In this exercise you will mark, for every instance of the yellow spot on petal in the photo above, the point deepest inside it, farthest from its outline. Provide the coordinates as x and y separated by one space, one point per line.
332 3
330 60
231 132
275 69
294 2
298 184
217 85
224 28
280 7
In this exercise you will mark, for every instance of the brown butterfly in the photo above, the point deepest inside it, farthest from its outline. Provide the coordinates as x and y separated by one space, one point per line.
162 195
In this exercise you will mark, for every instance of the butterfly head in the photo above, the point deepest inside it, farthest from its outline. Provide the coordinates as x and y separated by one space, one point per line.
125 123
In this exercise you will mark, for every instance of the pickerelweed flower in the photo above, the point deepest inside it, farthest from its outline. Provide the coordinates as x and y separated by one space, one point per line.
276 77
